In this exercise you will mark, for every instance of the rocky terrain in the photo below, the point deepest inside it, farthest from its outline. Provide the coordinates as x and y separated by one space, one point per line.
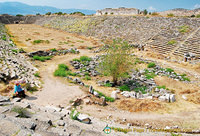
14 65
152 87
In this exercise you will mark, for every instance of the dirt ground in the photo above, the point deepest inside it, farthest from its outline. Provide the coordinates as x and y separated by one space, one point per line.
57 91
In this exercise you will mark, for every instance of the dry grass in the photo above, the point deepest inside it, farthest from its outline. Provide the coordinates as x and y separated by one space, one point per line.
134 105
56 38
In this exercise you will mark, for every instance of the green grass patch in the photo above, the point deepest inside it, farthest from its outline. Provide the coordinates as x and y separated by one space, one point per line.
138 61
124 88
108 85
87 77
151 65
142 89
37 74
63 71
163 87
150 75
184 29
15 51
85 58
108 99
169 70
89 48
30 89
42 58
172 42
54 50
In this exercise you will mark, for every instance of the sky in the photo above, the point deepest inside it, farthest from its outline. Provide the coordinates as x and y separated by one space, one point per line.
150 5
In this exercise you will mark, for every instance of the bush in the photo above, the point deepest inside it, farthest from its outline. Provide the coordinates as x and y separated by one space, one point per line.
151 65
85 58
172 42
192 16
63 66
76 60
77 13
124 88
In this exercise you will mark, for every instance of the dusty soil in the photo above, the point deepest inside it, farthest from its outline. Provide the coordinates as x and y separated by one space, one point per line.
57 91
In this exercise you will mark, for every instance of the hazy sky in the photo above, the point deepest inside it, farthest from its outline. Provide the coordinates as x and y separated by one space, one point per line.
151 5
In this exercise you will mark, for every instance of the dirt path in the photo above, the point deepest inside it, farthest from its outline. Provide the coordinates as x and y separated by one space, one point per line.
56 91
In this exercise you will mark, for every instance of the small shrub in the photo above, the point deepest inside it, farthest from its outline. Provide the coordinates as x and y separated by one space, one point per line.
108 85
63 66
14 51
54 50
163 87
69 73
169 70
151 65
89 48
37 74
60 72
87 78
124 88
142 89
28 39
192 16
138 61
19 15
76 60
4 37
85 58
172 42
41 41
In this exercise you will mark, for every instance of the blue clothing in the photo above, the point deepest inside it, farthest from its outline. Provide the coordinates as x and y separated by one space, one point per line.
18 89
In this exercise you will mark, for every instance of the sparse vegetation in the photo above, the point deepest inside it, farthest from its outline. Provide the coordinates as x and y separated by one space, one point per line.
198 16
145 12
155 14
170 15
30 89
172 42
19 15
3 37
63 71
72 116
184 29
77 13
15 51
117 61
108 99
124 88
87 77
37 74
41 41
23 113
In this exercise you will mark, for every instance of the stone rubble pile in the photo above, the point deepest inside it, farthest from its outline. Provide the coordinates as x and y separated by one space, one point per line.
86 67
53 52
14 65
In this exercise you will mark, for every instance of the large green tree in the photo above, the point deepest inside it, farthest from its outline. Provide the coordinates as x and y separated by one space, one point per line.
117 60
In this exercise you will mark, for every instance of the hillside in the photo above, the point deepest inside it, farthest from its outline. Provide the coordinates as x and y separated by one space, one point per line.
14 8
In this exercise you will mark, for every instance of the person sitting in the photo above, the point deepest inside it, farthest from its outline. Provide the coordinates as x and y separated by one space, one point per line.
18 92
